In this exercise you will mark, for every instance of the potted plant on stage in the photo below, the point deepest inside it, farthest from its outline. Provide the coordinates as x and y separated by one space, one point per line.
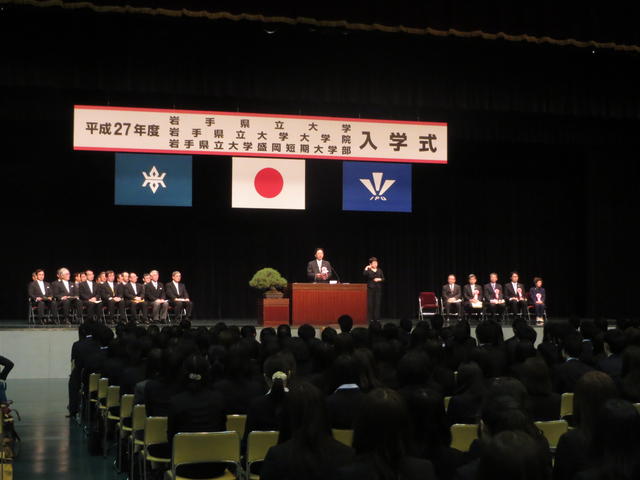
270 281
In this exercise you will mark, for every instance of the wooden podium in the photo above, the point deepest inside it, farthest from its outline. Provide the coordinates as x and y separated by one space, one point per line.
323 303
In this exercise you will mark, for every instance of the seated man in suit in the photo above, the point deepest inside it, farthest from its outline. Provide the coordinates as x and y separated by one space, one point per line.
89 296
472 295
154 295
65 294
178 296
565 375
494 296
112 297
41 296
134 297
319 270
514 292
452 297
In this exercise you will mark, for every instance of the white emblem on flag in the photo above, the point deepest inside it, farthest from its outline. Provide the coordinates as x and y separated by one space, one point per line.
154 179
377 188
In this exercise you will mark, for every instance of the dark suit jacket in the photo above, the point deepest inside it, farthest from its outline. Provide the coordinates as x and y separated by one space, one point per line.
171 292
34 290
312 270
278 464
565 375
468 295
151 294
489 292
447 294
85 293
611 365
411 468
342 406
106 293
58 289
129 293
508 291
544 407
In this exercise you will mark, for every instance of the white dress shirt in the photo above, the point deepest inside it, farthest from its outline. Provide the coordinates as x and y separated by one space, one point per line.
42 289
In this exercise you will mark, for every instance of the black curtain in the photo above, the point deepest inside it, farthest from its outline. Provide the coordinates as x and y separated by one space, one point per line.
541 176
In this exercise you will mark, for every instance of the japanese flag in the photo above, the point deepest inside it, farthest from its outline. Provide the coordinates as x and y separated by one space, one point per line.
268 183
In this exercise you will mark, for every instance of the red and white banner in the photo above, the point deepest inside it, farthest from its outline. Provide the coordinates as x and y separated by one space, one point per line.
153 130
268 183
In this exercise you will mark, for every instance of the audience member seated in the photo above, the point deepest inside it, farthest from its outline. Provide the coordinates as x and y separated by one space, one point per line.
238 387
305 447
544 403
630 383
592 390
512 455
611 364
464 406
344 402
381 441
566 374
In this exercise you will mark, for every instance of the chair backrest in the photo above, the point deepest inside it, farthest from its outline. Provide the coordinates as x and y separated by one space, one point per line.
259 443
237 423
446 403
155 430
553 430
138 418
93 383
205 447
113 396
566 404
637 405
126 405
343 436
428 300
462 435
103 386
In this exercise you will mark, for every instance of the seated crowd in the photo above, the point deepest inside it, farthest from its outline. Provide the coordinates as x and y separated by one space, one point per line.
108 298
387 383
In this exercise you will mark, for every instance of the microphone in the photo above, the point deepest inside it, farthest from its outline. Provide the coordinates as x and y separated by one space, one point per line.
337 275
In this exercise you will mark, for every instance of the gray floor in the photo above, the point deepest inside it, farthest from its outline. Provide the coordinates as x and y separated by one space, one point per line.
53 447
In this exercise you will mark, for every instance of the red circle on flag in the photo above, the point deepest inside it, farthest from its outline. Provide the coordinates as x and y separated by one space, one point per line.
268 182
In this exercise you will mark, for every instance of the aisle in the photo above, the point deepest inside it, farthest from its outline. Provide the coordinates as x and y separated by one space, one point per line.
52 446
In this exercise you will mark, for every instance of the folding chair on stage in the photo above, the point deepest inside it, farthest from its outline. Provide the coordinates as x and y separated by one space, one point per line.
428 304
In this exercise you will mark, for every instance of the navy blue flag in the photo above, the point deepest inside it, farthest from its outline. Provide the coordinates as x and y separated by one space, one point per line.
376 186
156 180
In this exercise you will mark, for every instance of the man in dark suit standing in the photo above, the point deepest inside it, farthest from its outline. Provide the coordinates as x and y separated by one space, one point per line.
494 296
155 295
112 296
89 296
65 294
514 292
134 296
178 296
452 297
41 296
319 270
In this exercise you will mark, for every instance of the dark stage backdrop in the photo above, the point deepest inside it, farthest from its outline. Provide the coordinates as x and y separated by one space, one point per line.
542 175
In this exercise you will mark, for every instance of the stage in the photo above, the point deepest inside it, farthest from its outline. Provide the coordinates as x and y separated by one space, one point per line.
45 352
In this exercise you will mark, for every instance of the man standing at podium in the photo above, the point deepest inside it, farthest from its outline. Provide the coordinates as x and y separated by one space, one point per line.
319 270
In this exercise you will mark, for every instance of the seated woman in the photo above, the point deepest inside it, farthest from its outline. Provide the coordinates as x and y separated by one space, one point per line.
305 447
381 439
464 406
196 409
544 403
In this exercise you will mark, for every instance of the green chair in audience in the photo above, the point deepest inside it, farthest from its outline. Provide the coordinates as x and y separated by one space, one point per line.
203 447
552 431
155 433
237 423
258 444
343 436
462 435
566 405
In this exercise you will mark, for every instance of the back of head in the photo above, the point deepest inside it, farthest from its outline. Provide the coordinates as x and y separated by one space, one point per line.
572 345
328 335
406 324
428 420
631 361
343 343
486 332
381 430
536 377
500 413
195 372
306 332
616 439
471 379
306 418
413 368
591 391
512 455
278 370
508 386
284 331
346 323
248 331
616 340
524 350
345 370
